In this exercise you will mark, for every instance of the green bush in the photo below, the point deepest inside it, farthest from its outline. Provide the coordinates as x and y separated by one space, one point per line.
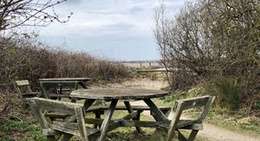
226 92
256 105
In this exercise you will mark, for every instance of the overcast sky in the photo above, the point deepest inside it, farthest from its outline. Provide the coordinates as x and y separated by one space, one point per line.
121 30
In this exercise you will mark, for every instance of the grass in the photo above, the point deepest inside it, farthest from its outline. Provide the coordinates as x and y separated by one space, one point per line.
28 129
24 130
129 133
248 125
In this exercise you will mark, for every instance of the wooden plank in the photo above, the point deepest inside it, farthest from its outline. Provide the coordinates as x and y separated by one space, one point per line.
107 119
136 117
195 126
51 105
88 103
118 123
117 93
174 122
113 123
193 102
206 109
94 121
51 84
158 114
79 113
164 109
22 82
39 115
153 124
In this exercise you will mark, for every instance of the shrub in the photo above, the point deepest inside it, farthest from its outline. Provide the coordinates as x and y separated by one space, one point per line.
226 92
24 59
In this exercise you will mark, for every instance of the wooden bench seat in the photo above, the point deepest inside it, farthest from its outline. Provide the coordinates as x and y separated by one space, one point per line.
72 128
72 124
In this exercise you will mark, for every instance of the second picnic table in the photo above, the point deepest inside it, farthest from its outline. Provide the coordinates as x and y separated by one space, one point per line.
125 94
62 86
81 80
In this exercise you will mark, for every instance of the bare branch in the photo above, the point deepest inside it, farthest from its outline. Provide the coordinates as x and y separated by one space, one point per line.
15 13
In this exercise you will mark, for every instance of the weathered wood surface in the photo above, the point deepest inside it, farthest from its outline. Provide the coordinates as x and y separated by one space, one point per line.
73 124
55 89
108 116
73 119
117 93
194 125
126 95
164 109
81 80
24 90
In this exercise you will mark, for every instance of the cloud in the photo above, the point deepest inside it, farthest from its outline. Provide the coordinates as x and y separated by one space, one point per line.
127 17
107 23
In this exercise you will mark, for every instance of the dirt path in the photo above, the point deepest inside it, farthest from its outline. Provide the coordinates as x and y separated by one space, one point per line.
214 133
209 132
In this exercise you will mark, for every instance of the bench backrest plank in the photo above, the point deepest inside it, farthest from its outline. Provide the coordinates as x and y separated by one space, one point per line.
24 90
22 82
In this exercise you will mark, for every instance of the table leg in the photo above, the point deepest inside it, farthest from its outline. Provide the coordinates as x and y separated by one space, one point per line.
88 103
130 110
156 112
107 119
83 85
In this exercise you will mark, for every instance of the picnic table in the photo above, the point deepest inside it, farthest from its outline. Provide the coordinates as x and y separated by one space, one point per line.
81 80
57 88
125 95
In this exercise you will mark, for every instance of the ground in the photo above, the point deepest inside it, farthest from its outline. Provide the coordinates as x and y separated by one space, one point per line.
209 133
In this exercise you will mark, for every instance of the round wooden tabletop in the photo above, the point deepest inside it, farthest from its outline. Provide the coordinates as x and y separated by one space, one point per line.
117 93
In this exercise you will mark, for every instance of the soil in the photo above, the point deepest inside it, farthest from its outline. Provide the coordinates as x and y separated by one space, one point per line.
209 133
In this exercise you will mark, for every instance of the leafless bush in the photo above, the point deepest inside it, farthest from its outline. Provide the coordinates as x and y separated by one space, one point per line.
22 59
84 65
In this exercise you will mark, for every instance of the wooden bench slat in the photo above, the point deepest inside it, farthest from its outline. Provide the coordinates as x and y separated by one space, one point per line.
22 82
94 108
72 128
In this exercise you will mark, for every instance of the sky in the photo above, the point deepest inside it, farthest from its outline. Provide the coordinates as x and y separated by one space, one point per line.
120 30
